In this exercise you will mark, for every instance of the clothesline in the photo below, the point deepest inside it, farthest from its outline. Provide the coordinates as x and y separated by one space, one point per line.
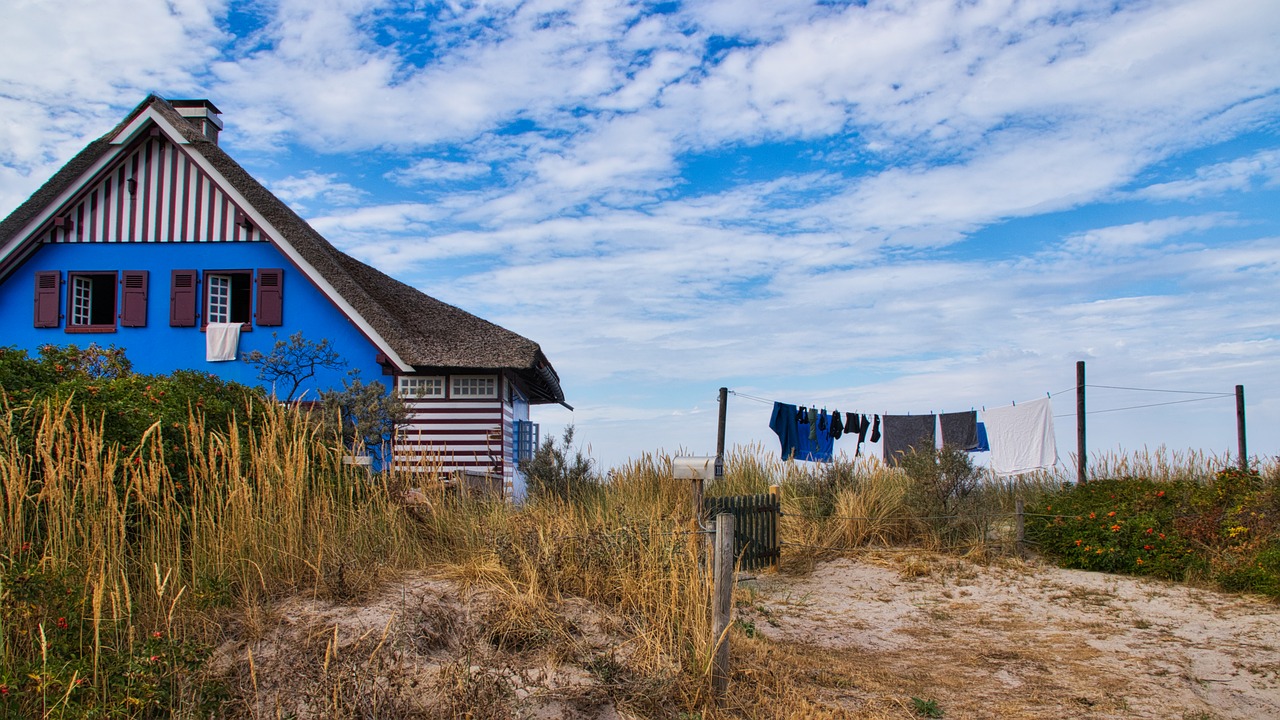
1209 396
768 401
1137 389
1149 405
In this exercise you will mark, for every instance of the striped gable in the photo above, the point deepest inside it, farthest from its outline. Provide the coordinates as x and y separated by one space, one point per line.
155 193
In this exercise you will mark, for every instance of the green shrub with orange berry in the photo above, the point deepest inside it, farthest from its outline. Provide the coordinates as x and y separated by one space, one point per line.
1224 529
100 384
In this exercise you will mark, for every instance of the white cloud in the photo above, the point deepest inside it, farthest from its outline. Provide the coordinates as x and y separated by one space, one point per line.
309 185
69 70
1123 239
1261 168
433 171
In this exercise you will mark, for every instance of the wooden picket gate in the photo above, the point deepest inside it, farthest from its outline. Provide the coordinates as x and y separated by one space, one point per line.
755 521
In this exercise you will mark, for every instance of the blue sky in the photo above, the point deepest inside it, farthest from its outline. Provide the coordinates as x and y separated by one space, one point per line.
875 206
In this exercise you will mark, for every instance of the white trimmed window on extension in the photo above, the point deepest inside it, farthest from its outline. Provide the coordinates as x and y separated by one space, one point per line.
473 386
421 387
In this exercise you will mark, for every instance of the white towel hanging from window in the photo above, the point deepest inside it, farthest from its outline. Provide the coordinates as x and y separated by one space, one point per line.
221 341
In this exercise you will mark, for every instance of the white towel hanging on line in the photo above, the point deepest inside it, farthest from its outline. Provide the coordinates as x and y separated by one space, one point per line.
1021 437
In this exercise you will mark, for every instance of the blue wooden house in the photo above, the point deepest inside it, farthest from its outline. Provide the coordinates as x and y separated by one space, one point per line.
154 240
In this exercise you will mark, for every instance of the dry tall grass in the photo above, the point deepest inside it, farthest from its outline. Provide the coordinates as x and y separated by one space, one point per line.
153 553
281 514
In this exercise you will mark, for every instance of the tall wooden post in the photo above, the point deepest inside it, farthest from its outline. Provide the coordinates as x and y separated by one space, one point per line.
1243 449
1082 451
724 406
721 604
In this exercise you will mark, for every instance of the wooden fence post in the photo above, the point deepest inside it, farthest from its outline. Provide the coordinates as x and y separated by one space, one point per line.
722 604
1021 527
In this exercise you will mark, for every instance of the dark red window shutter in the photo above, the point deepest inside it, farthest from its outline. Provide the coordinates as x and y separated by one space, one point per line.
271 296
133 298
48 298
182 298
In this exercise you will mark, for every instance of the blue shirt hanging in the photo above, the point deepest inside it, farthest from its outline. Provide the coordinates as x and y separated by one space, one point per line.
796 443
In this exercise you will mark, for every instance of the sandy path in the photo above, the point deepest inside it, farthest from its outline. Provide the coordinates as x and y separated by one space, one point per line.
1026 640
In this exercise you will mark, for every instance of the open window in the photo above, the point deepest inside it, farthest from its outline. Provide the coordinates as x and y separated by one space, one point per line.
228 296
91 302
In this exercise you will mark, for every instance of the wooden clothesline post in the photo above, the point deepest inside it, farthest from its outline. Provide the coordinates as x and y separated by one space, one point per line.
1240 441
1082 453
724 407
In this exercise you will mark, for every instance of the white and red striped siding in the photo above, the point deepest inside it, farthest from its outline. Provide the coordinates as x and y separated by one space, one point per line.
173 200
458 434
508 449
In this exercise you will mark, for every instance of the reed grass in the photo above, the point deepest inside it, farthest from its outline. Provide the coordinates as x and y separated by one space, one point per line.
152 554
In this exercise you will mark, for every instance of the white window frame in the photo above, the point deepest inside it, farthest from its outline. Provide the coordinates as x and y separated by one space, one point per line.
81 299
420 386
219 298
465 386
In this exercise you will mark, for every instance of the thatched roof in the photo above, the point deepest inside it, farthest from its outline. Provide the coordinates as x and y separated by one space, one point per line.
424 332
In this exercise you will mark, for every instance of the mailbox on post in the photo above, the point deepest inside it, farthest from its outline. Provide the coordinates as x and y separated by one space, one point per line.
694 467
697 469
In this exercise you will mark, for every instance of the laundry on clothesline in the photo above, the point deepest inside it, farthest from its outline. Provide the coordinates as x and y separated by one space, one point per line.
959 429
801 443
904 433
982 444
1021 437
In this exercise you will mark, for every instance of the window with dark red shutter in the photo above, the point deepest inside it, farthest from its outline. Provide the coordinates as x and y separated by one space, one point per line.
92 298
48 299
133 301
270 296
182 298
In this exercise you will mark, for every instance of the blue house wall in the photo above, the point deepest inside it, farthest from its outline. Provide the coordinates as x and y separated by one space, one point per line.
159 348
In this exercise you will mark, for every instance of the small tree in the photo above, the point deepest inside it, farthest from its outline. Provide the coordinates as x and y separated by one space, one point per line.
362 415
293 362
558 471
942 480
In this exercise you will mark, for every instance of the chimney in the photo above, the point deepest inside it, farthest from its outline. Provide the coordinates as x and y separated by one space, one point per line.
203 114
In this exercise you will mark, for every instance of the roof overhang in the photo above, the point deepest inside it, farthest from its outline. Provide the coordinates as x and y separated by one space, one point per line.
19 248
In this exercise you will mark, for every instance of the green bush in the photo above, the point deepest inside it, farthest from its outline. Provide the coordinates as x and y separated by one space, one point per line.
1117 525
560 472
47 673
100 384
942 483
